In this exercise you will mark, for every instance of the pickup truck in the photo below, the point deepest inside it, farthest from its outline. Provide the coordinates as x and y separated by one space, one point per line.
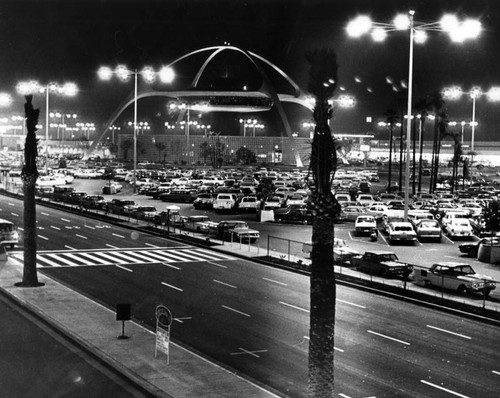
454 276
382 263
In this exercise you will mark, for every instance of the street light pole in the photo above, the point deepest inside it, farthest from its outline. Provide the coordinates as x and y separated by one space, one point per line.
408 119
473 95
135 130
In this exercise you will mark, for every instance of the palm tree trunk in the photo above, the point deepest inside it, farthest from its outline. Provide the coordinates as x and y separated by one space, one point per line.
29 176
390 160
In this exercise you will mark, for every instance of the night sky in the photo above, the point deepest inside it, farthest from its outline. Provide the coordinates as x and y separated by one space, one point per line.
67 40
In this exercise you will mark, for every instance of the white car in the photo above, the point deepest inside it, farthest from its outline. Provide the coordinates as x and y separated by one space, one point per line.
459 227
401 231
249 203
365 224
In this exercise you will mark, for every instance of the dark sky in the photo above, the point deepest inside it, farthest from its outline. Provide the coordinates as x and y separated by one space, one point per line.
67 40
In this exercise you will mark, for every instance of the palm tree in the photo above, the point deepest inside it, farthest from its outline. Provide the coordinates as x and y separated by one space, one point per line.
437 104
160 147
391 120
421 106
29 176
322 84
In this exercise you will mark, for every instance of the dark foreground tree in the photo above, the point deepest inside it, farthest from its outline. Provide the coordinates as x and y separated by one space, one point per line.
323 163
29 176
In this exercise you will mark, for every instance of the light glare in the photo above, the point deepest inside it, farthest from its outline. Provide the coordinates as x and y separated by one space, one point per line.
494 94
122 72
420 36
449 22
379 34
105 73
148 74
166 74
5 99
359 26
401 22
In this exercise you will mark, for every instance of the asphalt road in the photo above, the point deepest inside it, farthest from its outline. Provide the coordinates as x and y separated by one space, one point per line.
255 318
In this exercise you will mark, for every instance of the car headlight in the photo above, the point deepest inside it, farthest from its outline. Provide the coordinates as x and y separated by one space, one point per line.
15 235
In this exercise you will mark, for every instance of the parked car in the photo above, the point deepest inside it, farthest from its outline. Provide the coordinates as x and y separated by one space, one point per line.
249 203
198 223
147 213
225 201
341 252
9 235
94 202
471 249
293 213
273 202
454 276
120 206
236 231
351 213
365 225
203 201
383 263
401 231
459 228
428 229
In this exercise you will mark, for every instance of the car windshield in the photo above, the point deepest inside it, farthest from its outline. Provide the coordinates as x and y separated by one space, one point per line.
403 228
429 224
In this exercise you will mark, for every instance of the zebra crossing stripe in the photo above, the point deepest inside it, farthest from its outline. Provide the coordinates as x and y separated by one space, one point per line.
91 256
78 257
46 262
169 255
207 256
154 256
111 256
127 256
144 257
65 262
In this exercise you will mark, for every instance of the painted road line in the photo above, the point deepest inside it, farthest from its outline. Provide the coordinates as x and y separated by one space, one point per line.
232 309
10 204
150 245
173 287
347 302
81 236
94 258
444 389
43 237
118 236
111 246
124 268
65 220
69 247
89 227
273 281
219 255
495 372
225 284
57 257
78 258
127 257
253 353
44 214
388 337
110 256
171 266
335 348
217 265
56 228
294 306
450 332
181 320
15 214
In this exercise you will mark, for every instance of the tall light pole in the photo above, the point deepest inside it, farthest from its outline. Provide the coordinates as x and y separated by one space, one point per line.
166 75
32 87
113 128
458 32
454 93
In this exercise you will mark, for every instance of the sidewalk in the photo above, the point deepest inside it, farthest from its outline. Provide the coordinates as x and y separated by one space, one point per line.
95 328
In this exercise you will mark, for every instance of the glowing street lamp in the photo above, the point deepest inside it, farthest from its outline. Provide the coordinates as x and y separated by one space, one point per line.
459 31
32 87
165 74
454 93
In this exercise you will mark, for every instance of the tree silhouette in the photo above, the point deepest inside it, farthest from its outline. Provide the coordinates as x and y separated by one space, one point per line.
29 176
322 84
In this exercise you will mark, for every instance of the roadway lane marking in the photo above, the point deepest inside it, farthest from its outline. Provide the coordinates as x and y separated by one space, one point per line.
125 268
81 236
56 228
118 236
65 219
355 305
495 372
43 237
10 204
111 246
253 353
388 337
450 332
151 245
89 227
232 309
294 306
44 214
78 258
171 266
173 287
273 281
444 389
217 265
15 214
335 348
69 247
225 284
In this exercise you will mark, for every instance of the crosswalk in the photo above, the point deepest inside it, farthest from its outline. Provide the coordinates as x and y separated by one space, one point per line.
122 257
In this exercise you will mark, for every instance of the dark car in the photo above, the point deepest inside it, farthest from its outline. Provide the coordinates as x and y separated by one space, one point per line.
237 231
471 249
94 202
145 213
204 201
75 198
120 206
293 213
